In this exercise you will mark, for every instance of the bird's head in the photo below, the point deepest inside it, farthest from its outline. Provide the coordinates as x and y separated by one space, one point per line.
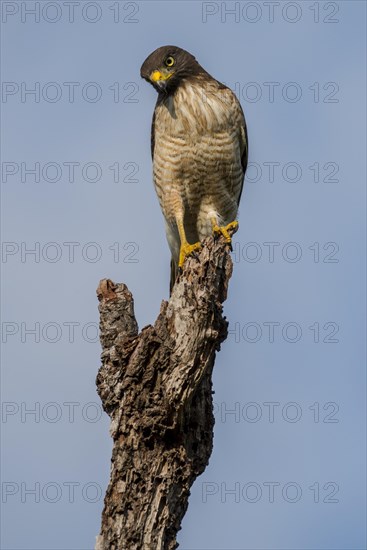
167 67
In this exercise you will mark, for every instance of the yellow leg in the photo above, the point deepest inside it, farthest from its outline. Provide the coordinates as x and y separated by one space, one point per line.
186 249
225 230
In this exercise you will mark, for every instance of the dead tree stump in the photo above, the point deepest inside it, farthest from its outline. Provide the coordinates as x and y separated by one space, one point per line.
156 386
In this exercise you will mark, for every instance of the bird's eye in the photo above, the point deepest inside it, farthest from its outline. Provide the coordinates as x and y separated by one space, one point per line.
169 62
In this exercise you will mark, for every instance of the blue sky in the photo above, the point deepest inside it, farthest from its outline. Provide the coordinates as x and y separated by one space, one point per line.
288 466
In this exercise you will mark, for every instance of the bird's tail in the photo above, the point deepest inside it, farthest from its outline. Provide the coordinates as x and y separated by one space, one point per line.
174 273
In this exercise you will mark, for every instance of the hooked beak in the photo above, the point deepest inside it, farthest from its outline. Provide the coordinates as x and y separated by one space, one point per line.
159 79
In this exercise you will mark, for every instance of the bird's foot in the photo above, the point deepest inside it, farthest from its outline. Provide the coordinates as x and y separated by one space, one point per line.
187 249
226 230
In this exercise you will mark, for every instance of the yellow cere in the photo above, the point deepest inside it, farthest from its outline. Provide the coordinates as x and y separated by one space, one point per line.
157 75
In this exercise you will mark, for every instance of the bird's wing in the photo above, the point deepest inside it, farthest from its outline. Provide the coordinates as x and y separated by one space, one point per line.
152 132
152 136
241 122
243 149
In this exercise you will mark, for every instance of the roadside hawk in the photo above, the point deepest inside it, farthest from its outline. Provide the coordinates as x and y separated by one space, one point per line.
199 150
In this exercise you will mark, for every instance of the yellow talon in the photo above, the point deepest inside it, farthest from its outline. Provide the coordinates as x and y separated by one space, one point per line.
225 230
187 249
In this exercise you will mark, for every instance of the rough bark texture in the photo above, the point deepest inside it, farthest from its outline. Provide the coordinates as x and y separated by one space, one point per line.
156 386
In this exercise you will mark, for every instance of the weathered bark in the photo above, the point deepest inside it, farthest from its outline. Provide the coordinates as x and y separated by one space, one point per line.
156 386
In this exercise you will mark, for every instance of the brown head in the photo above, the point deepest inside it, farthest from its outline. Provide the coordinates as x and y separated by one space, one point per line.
167 67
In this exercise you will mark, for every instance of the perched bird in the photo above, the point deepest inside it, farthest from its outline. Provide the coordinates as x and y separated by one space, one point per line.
199 150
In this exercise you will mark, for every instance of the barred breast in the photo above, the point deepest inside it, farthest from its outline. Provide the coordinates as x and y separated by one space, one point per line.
199 139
